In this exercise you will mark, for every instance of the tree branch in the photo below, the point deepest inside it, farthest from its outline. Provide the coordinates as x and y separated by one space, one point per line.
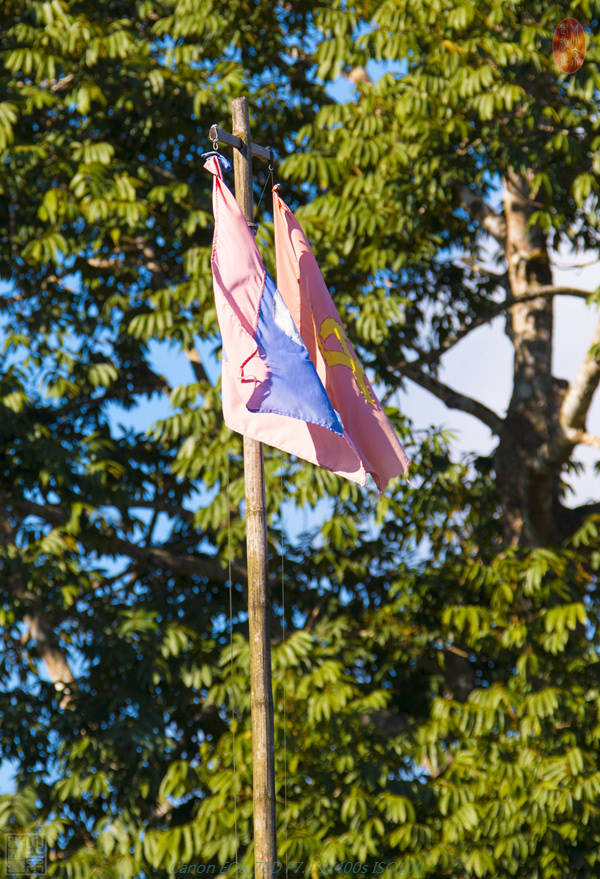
149 556
358 74
496 308
159 279
573 412
578 398
40 629
197 365
493 223
570 519
582 436
591 509
455 400
52 654
55 85
554 291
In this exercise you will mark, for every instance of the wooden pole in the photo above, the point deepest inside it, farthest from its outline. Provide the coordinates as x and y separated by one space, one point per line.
261 690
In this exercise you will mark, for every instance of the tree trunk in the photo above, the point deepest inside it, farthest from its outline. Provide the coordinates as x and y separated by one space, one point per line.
528 491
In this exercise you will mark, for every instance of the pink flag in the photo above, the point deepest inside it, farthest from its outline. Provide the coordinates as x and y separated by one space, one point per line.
304 292
271 389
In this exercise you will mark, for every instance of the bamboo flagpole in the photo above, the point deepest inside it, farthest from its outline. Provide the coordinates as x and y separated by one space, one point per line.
261 689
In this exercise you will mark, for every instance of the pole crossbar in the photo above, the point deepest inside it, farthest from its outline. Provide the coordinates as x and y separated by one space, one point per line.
216 133
259 607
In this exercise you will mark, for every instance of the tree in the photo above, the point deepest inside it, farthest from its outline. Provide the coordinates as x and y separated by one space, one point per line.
113 570
481 140
437 682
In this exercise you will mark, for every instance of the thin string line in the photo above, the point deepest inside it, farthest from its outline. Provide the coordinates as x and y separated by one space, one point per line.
283 637
232 690
272 179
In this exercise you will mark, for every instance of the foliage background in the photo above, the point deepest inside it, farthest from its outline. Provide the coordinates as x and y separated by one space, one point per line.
438 682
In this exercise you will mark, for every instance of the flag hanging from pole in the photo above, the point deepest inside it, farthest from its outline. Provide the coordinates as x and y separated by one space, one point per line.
306 295
272 389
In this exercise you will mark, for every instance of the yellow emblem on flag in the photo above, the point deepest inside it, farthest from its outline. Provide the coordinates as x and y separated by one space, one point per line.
332 327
